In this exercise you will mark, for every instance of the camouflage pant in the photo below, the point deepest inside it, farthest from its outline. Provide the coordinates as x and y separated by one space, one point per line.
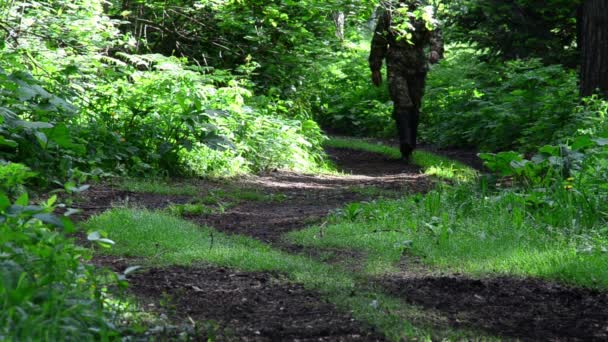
406 90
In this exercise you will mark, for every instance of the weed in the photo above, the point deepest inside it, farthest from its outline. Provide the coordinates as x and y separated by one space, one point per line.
44 277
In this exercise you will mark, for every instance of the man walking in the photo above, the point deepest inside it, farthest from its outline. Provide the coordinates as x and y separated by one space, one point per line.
401 36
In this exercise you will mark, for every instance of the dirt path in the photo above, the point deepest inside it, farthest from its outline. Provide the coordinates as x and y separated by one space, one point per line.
262 307
309 198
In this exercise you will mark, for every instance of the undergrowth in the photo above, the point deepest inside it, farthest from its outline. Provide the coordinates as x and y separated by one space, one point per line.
547 219
74 112
463 230
48 289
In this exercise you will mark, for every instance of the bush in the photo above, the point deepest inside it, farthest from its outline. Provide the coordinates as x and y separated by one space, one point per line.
339 90
138 114
47 291
519 104
573 174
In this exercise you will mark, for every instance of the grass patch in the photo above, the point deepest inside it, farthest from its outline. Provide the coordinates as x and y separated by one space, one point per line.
363 145
430 163
166 240
160 187
462 230
242 195
192 209
376 192
208 196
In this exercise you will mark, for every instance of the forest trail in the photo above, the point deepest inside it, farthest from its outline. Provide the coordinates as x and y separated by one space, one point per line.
257 306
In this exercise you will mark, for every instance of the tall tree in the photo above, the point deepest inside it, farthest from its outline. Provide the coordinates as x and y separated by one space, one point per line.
594 47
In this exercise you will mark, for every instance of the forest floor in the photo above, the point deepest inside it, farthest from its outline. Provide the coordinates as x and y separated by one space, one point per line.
267 306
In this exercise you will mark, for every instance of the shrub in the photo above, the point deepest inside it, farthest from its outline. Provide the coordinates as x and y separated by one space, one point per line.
339 90
47 291
519 104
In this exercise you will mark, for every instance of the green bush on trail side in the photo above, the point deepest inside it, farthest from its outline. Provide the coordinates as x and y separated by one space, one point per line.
79 113
496 106
47 288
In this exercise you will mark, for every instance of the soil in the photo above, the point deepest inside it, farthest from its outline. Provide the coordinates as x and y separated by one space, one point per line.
100 198
527 309
311 198
264 307
248 306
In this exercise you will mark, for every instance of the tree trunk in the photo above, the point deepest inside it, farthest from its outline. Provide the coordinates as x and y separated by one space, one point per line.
594 47
339 21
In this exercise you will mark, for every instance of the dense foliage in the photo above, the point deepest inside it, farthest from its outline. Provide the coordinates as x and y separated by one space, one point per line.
47 291
519 104
516 28
93 88
101 108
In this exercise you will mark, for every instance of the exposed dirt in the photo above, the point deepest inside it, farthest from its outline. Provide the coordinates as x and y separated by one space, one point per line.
260 307
101 198
247 306
521 308
311 198
467 156
307 198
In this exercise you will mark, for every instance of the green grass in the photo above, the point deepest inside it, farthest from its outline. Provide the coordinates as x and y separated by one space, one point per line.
430 163
461 230
243 195
160 187
163 240
192 209
375 192
209 196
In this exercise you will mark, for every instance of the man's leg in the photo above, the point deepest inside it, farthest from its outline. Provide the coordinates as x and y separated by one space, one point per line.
401 116
404 112
416 85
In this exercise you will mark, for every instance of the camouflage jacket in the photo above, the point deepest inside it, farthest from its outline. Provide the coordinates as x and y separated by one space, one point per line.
405 55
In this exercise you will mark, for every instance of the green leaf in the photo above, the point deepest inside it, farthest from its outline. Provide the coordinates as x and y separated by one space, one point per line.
71 187
51 201
551 150
581 143
61 135
131 269
23 200
7 115
72 211
49 219
97 237
6 142
601 141
94 236
4 202
68 225
42 139
32 124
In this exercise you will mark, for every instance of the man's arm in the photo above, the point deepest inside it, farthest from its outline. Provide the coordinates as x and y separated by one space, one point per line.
436 42
379 46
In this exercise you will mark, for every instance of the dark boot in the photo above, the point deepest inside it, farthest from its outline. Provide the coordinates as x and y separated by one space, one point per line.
406 152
